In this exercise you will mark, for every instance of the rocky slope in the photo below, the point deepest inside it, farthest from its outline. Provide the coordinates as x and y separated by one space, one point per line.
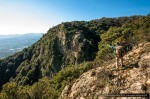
50 54
134 77
70 49
57 49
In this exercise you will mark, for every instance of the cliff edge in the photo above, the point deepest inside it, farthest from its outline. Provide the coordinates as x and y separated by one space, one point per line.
134 77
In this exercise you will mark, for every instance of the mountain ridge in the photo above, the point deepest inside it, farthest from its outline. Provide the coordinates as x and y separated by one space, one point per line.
49 65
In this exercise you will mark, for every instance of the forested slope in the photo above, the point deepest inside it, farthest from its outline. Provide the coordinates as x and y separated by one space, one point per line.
53 60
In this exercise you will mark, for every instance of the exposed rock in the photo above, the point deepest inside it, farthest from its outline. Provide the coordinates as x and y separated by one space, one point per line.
65 91
148 82
63 45
134 78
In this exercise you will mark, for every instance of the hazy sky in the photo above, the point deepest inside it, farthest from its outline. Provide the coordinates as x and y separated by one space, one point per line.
37 16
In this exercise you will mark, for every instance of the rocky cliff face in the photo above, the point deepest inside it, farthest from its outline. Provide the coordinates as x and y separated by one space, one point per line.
65 44
134 77
69 50
69 43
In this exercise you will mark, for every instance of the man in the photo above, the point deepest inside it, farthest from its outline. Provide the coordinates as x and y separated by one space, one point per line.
119 52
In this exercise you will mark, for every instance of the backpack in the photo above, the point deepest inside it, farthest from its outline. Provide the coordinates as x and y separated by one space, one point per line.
120 51
127 47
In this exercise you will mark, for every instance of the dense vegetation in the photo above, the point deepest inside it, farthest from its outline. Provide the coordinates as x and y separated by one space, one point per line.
45 68
10 44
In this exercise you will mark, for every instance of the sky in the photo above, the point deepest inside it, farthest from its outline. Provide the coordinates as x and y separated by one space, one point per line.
37 16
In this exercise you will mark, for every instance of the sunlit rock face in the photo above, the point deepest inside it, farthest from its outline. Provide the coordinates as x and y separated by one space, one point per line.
63 45
134 78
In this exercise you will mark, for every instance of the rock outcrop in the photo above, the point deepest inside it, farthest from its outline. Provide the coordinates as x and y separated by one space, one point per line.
134 77
53 52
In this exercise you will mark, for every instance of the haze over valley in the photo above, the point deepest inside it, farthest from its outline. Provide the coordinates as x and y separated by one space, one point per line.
10 44
75 49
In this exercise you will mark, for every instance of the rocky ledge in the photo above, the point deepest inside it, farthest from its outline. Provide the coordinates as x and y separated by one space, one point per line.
134 77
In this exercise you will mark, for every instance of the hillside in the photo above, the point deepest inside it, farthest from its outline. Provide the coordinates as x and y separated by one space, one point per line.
133 78
57 59
10 44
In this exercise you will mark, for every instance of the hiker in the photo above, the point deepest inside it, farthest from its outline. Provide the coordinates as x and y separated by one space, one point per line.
119 52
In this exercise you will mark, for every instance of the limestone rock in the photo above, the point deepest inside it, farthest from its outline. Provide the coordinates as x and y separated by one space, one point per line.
148 82
134 78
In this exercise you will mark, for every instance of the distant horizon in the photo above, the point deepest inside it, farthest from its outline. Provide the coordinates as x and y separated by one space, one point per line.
37 16
19 34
